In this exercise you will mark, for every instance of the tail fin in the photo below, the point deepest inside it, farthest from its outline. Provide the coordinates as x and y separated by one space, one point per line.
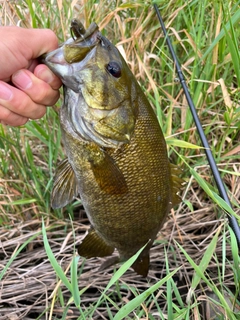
141 265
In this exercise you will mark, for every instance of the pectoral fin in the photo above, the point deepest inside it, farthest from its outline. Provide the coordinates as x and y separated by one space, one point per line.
64 185
94 246
108 176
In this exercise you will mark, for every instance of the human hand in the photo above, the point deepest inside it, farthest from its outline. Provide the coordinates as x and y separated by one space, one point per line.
26 87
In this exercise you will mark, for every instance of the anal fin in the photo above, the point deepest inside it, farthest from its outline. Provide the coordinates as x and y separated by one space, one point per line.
94 246
64 185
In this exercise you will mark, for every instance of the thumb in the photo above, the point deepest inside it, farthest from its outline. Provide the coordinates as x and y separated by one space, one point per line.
20 47
39 41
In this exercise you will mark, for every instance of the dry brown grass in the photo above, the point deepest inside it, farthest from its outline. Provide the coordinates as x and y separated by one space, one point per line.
30 286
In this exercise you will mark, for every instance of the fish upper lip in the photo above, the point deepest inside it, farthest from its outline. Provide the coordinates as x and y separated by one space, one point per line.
58 56
45 58
56 61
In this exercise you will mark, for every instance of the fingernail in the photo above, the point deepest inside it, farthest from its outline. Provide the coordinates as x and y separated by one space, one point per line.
22 80
5 92
45 75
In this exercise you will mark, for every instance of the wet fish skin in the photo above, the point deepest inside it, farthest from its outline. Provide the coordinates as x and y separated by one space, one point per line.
116 152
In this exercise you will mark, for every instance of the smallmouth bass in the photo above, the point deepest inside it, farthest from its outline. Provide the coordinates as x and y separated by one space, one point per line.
116 153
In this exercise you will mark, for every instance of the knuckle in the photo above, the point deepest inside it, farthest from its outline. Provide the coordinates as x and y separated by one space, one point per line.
20 106
42 94
46 95
5 113
26 107
20 121
39 112
49 97
52 36
55 97
11 118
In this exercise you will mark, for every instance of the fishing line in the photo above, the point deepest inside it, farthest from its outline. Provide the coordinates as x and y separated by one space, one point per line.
221 188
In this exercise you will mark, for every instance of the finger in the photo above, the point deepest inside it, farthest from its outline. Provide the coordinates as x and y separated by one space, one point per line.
34 41
20 47
38 90
19 102
47 41
8 117
44 73
39 41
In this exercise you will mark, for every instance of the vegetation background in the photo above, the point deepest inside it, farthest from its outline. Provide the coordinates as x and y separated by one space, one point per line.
194 271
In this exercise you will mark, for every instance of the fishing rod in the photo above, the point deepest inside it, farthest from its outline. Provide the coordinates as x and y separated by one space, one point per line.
221 188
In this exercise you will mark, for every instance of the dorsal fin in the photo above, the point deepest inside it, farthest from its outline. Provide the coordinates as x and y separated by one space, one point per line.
64 185
177 183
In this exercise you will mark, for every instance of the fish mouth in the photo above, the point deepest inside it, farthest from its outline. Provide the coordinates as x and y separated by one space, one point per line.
72 55
54 60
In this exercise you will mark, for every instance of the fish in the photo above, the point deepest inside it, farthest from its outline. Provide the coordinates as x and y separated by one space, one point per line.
117 160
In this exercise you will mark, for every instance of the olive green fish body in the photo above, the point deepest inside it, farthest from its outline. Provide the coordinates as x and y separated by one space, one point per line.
126 220
117 156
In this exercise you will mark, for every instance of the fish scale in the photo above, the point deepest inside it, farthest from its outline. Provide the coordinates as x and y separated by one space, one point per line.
116 153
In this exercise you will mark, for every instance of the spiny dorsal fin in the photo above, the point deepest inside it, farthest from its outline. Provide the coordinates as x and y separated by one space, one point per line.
108 176
94 246
177 183
64 185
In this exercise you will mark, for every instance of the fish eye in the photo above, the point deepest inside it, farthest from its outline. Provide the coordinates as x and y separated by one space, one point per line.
114 69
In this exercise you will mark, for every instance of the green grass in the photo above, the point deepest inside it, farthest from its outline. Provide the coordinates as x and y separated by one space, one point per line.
205 37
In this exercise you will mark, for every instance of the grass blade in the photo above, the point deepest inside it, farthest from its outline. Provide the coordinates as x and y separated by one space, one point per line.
211 285
130 306
53 260
204 263
2 273
74 281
